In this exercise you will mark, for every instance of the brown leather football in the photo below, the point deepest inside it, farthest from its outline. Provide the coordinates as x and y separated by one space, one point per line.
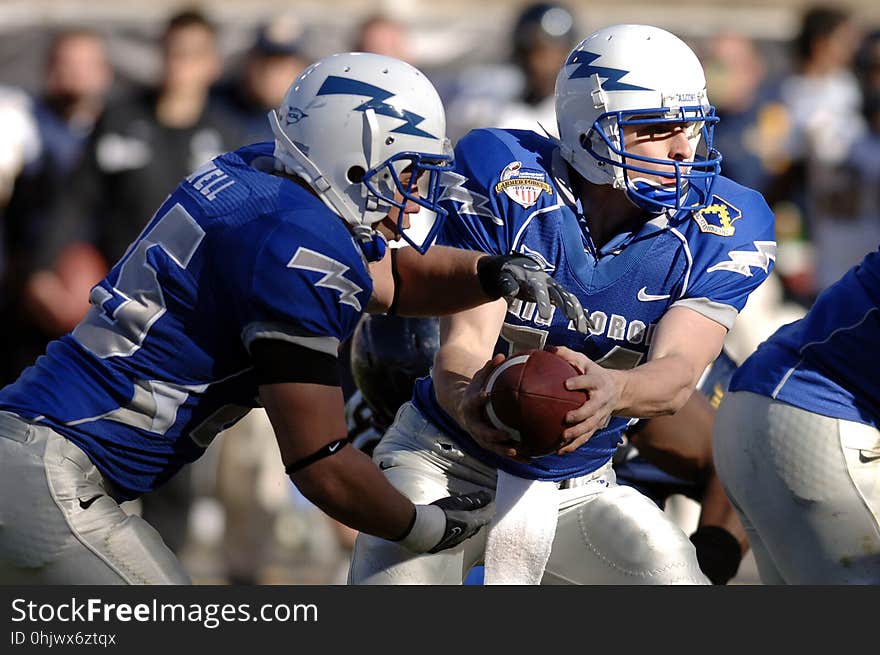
528 400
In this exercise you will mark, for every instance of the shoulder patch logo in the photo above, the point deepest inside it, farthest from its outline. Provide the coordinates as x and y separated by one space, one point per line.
522 185
718 218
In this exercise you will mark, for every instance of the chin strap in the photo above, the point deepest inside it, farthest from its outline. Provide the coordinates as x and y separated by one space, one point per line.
654 198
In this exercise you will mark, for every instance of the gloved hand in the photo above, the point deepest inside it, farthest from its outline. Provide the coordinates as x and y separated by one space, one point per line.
518 276
447 522
718 553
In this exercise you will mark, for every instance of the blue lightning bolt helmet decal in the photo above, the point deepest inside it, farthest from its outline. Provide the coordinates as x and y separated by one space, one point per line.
611 76
345 86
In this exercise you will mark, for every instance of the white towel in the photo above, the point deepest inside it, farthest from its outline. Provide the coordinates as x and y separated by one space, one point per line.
521 533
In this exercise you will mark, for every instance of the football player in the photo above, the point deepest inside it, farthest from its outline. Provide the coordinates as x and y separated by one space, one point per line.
629 209
797 444
660 457
237 293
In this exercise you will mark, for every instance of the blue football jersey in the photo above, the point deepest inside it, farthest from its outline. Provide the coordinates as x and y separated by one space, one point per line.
510 192
160 364
828 361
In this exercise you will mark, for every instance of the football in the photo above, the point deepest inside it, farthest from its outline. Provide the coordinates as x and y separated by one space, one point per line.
529 401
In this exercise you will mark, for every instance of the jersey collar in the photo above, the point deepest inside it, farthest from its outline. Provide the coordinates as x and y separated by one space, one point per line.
560 171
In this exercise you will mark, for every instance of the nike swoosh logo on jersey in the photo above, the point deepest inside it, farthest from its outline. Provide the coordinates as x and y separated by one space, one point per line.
644 296
864 459
85 504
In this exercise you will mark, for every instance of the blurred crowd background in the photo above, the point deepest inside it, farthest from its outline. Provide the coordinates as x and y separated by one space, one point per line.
105 106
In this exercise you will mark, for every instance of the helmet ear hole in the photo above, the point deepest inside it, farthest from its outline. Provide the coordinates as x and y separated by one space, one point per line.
355 174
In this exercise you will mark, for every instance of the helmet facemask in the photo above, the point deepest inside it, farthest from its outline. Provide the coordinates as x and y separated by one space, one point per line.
604 143
422 188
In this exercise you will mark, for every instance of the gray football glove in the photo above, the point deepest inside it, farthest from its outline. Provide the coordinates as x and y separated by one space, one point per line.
447 522
517 276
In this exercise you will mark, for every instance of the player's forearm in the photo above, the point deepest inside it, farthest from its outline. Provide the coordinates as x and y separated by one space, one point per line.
351 489
454 367
442 281
661 386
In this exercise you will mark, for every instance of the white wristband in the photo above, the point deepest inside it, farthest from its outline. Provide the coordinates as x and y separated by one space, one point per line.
427 531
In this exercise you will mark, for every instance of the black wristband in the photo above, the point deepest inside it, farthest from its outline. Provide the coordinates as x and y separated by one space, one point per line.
330 449
395 276
488 272
718 553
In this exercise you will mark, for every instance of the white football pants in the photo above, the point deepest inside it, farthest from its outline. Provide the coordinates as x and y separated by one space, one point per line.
608 535
807 488
59 523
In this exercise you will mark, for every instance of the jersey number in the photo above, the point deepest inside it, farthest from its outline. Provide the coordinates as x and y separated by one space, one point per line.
123 314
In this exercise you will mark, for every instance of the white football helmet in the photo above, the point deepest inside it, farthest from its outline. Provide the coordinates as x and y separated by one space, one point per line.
350 124
636 75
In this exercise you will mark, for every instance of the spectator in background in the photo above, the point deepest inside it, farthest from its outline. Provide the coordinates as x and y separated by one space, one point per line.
19 142
19 145
856 192
542 37
868 75
49 280
752 137
755 122
145 143
823 95
274 60
824 103
865 153
382 35
519 95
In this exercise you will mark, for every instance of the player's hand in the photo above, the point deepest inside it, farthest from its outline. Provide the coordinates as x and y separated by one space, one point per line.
447 522
472 413
602 387
516 276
